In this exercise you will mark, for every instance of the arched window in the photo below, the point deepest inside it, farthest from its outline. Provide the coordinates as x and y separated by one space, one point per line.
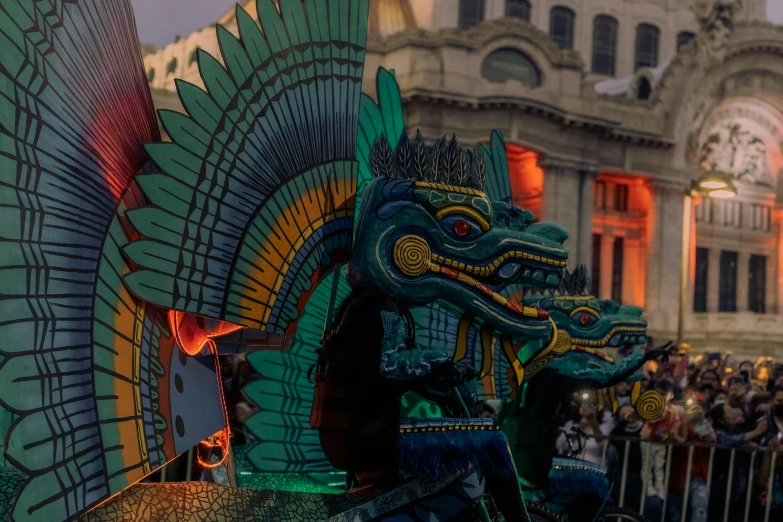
644 90
647 37
471 13
171 66
150 75
561 26
604 44
683 37
510 64
518 9
193 57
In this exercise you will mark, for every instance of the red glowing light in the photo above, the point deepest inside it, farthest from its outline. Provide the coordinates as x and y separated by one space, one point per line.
193 334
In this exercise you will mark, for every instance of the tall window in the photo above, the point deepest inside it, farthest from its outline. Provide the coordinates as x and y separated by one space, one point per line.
518 9
604 44
757 284
617 270
471 12
761 217
561 26
700 286
647 37
683 37
599 195
150 75
193 57
727 294
595 271
621 198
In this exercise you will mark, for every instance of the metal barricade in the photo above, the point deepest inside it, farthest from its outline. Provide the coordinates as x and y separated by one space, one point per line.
755 467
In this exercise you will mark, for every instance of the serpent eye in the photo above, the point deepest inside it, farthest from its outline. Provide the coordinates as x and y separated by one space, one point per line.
461 226
584 319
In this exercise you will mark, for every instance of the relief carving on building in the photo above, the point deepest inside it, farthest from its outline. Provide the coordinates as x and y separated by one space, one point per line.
734 150
716 23
741 140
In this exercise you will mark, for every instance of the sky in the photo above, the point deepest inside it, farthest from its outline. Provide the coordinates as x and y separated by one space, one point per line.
159 21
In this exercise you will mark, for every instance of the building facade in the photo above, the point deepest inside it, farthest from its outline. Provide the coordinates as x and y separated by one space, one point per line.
609 110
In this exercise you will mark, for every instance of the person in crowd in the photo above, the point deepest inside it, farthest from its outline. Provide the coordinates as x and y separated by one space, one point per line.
720 397
710 378
775 377
657 434
694 428
728 422
628 425
738 398
747 368
592 449
623 393
774 496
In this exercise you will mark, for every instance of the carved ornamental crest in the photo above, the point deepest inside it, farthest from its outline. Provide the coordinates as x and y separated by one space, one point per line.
733 149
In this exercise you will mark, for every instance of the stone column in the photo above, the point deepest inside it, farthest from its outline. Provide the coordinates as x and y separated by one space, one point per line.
743 283
664 257
631 262
585 250
567 200
713 279
607 266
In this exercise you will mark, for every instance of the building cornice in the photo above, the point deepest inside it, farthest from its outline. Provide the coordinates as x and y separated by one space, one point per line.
607 129
478 37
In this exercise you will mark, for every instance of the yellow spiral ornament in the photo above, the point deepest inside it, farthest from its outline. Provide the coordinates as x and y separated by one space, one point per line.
543 358
651 405
412 255
563 342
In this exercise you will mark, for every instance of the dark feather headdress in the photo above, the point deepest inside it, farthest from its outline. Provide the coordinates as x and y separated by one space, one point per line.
445 162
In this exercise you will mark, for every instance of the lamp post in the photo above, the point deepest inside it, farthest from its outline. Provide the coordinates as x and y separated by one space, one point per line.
713 185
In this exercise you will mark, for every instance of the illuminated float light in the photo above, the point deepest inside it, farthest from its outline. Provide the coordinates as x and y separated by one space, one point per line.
713 182
722 194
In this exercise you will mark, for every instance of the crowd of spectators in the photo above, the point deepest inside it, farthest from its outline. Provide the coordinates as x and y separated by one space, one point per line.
711 408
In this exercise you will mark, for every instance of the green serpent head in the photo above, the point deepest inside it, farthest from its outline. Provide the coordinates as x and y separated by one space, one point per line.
422 241
590 330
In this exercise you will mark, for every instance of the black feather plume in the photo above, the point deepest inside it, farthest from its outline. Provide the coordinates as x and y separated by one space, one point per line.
403 158
375 166
385 160
420 158
479 171
436 160
450 160
574 283
464 161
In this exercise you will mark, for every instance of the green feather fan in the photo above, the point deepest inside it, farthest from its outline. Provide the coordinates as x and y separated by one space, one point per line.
254 200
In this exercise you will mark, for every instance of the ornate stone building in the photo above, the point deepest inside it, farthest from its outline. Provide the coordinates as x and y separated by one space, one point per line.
609 109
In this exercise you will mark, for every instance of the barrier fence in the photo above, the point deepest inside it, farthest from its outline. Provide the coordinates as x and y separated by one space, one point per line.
756 454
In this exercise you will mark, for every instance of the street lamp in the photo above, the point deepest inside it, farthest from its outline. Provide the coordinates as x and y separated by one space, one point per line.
713 185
